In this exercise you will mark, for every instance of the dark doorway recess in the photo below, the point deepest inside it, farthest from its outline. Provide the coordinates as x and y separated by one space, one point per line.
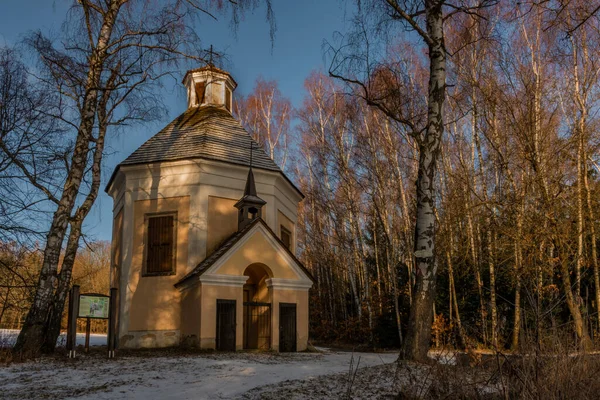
257 325
287 327
226 325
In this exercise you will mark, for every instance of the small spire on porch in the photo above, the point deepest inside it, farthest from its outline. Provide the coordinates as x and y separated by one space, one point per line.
250 204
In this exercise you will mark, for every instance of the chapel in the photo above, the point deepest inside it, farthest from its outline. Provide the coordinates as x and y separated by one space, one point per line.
204 235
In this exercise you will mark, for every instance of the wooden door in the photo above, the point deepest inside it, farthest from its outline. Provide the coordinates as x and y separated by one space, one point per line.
226 325
287 327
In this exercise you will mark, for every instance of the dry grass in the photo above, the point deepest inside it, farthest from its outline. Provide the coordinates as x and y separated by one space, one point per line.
535 375
455 375
554 376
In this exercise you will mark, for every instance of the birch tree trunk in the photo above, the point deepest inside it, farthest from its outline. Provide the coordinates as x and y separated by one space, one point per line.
105 37
492 270
32 336
454 302
378 270
581 104
468 186
416 343
64 278
580 161
572 304
594 254
517 271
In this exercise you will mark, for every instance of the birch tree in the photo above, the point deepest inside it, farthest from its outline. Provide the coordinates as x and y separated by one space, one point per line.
111 57
266 114
515 192
426 19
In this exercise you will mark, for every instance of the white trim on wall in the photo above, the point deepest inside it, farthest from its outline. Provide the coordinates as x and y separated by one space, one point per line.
290 284
223 280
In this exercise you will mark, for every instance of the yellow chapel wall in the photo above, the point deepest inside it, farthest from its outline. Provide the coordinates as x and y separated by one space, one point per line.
198 180
191 312
208 325
257 249
202 180
222 221
300 298
154 305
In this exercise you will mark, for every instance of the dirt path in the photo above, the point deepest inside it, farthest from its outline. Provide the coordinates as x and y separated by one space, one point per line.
203 376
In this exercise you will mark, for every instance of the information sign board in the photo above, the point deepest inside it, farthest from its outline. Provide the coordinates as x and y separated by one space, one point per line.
93 306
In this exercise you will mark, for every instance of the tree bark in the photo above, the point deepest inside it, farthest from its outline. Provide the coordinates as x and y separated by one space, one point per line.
572 304
32 336
416 344
594 254
517 272
579 257
454 302
492 270
64 278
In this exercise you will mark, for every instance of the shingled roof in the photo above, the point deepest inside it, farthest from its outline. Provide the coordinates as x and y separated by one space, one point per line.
202 132
208 132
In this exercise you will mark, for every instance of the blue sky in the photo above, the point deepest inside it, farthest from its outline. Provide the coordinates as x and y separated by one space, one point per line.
302 27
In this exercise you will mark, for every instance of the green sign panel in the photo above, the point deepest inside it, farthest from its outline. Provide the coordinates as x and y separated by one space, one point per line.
93 306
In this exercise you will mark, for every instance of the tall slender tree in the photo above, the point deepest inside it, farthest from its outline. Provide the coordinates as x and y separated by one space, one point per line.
111 57
425 18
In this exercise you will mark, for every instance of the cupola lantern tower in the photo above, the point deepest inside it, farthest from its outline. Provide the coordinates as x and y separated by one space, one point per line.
209 86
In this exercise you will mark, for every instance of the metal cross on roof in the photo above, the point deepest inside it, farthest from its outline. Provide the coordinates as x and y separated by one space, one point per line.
211 53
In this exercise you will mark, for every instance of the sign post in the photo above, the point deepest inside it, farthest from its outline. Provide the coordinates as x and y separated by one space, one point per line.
112 323
88 328
72 320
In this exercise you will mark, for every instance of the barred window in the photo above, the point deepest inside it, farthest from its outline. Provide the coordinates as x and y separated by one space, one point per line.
160 245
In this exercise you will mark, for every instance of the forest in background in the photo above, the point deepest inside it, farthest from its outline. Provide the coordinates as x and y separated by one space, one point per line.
518 185
19 272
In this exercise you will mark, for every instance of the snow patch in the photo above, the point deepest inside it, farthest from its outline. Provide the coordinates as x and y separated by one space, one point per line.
8 338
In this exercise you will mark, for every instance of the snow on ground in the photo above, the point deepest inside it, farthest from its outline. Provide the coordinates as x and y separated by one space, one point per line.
402 380
379 382
192 376
8 337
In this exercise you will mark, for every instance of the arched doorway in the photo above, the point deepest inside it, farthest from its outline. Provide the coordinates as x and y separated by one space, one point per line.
257 308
